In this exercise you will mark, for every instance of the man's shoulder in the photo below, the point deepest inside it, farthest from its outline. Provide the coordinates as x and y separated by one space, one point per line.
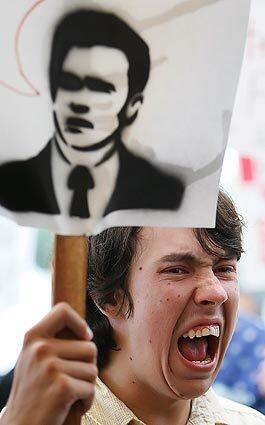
213 409
141 167
240 414
142 185
22 171
22 183
12 166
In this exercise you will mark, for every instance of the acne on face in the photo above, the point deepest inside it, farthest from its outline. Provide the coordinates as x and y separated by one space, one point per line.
99 68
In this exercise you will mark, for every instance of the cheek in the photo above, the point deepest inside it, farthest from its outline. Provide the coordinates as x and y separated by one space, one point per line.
159 312
231 308
63 101
233 297
57 106
115 102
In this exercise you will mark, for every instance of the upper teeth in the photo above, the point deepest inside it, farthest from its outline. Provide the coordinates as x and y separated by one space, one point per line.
205 331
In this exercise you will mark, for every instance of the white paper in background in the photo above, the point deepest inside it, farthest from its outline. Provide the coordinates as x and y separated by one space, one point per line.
247 140
148 145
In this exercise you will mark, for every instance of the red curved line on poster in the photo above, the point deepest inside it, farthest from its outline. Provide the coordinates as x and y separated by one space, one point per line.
18 91
18 58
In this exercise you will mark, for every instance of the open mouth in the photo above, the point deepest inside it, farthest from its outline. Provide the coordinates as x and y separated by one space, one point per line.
199 346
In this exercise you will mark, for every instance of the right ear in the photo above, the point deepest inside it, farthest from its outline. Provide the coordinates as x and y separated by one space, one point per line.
114 310
133 107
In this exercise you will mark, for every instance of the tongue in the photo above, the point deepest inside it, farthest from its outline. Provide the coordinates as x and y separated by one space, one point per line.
193 349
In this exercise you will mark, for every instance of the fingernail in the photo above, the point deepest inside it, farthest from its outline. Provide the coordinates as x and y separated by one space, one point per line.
90 333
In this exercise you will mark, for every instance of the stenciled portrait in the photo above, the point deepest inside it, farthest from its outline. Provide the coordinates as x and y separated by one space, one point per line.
98 167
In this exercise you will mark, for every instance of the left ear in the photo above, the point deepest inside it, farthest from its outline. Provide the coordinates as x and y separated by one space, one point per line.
133 107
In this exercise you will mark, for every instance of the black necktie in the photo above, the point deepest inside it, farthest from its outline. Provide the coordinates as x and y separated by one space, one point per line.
80 181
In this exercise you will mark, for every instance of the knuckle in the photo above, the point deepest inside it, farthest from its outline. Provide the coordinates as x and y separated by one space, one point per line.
51 367
40 349
63 387
28 337
64 308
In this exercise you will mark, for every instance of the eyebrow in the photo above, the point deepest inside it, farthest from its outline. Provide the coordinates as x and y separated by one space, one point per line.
190 258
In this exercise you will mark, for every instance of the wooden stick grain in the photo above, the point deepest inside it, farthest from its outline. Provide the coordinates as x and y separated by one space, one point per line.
69 285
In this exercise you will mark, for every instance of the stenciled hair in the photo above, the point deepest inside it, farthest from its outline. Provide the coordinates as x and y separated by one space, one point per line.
111 254
89 28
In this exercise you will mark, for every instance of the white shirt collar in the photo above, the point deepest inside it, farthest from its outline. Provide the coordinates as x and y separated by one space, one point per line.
107 409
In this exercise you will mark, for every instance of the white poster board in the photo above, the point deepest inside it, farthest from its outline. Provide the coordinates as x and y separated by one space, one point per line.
116 113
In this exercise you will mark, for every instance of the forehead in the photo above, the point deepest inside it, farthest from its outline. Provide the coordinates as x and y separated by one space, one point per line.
160 242
97 60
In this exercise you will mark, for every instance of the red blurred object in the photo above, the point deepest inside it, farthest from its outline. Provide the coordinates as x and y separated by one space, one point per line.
247 169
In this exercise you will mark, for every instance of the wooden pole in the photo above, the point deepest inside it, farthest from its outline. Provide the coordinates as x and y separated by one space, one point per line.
69 285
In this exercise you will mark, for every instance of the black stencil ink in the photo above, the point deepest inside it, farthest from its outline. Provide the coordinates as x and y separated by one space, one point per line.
72 82
28 185
78 122
80 181
79 109
23 187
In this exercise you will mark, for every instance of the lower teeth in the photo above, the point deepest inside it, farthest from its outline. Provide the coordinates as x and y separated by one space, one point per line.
206 361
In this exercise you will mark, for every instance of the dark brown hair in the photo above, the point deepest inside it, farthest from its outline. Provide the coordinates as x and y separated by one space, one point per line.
111 254
88 28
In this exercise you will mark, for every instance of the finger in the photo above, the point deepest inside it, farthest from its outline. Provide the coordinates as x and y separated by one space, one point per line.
78 370
60 317
85 391
75 350
72 389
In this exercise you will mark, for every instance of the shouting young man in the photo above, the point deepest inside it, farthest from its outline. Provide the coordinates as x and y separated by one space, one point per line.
162 306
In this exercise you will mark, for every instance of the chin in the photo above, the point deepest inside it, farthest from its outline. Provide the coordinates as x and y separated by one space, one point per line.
83 141
191 383
195 388
191 389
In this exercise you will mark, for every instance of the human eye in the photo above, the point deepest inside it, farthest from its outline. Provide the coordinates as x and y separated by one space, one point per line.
98 85
226 270
178 271
70 82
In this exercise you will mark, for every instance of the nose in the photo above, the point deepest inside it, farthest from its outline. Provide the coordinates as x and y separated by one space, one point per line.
210 292
79 109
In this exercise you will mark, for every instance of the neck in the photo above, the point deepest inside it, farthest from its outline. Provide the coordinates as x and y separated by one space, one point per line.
88 159
149 405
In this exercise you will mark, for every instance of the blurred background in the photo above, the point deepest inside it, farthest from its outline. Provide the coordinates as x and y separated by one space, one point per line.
25 254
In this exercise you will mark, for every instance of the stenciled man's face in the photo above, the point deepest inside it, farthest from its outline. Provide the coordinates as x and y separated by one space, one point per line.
185 307
93 89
